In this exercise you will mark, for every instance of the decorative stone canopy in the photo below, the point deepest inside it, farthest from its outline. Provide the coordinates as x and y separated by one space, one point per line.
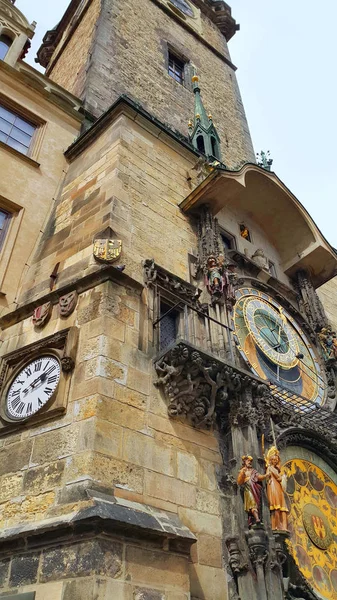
286 223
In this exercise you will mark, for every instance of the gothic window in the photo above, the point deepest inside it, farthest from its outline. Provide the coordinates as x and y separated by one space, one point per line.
215 148
169 325
201 144
228 241
5 44
15 131
4 223
245 233
176 67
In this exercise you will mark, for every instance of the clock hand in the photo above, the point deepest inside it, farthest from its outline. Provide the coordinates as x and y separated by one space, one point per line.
34 383
40 379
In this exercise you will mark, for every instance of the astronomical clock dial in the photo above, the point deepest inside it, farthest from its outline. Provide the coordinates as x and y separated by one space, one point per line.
183 6
312 502
32 388
277 349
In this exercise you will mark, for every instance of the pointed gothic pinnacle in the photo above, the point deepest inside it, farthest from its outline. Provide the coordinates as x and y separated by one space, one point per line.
200 114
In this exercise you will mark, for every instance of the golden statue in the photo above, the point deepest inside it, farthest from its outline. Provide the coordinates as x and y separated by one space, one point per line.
276 486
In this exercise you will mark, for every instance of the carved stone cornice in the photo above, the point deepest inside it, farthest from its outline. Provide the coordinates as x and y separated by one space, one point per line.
197 383
155 274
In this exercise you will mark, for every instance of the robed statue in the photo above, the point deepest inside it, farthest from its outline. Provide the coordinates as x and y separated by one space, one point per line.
251 481
276 486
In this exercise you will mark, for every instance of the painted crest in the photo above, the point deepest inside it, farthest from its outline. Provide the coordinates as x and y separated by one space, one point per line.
317 526
107 250
68 303
42 314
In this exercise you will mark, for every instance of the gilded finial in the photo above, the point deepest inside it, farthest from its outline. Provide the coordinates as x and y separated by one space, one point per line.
195 78
190 124
210 117
197 116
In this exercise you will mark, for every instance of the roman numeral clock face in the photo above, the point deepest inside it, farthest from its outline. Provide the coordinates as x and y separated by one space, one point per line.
32 388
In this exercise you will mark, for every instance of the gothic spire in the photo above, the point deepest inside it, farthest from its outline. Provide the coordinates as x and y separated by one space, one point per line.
203 133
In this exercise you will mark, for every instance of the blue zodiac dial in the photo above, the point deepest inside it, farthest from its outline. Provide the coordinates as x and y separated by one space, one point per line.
183 6
277 349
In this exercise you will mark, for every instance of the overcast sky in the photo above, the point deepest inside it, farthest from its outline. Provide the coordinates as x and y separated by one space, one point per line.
286 58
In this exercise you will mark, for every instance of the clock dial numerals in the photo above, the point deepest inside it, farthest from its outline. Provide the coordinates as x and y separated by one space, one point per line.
33 387
277 349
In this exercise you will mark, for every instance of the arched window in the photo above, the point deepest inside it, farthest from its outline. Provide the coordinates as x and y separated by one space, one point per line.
215 149
5 44
201 144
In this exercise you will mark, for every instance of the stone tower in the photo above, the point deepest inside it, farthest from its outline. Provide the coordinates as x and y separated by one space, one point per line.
133 46
168 372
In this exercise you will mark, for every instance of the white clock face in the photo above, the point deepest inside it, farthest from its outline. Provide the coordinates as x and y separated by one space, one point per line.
33 387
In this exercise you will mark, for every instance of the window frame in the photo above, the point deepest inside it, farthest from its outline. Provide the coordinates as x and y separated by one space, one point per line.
230 236
176 58
4 230
13 225
31 119
4 34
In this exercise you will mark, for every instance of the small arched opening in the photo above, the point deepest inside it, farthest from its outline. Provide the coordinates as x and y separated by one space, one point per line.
215 148
5 44
201 144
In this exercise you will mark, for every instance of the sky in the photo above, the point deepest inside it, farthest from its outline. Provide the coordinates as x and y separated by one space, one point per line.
286 58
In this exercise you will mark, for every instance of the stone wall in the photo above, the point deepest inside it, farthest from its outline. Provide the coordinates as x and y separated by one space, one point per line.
132 181
30 184
97 568
130 56
116 433
328 296
71 68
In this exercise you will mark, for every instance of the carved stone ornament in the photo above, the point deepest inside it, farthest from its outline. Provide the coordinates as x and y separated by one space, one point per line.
107 250
219 272
68 303
328 341
236 560
42 314
261 260
310 302
156 275
68 364
258 546
195 383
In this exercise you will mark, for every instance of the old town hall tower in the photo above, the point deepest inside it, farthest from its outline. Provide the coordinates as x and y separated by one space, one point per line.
168 369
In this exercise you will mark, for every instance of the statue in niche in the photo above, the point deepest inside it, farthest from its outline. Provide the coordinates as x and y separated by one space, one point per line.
251 481
276 486
328 340
261 260
220 280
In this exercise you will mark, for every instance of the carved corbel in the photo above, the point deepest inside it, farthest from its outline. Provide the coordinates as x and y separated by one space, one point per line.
236 560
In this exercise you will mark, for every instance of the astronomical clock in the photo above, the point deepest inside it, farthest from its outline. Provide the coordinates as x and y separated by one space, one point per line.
276 349
312 502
